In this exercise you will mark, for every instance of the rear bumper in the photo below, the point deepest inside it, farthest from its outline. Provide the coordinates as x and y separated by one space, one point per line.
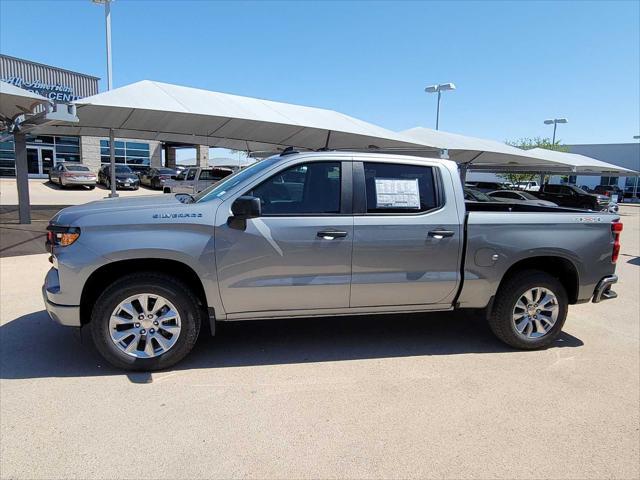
603 289
75 181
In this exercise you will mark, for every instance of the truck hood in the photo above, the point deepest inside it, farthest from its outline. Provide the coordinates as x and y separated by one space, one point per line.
68 216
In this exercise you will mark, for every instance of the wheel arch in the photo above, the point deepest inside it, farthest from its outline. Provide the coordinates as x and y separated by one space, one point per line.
559 267
107 274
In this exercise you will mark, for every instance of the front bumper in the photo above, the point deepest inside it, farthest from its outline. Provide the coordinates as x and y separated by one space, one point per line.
603 289
68 315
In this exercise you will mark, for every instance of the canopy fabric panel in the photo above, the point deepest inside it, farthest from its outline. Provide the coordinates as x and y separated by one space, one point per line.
581 164
159 111
16 101
479 153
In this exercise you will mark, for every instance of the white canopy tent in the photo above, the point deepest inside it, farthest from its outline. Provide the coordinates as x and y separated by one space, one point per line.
16 101
159 111
478 152
17 106
493 156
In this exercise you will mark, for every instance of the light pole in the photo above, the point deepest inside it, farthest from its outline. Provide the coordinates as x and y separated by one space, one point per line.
112 151
555 123
442 87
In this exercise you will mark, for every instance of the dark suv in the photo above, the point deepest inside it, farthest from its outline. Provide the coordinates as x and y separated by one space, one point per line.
572 196
610 191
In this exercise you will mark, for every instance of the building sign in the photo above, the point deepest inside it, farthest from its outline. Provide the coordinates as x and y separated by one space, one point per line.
53 91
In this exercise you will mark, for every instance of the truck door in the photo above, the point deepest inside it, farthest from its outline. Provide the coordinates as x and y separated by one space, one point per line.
186 186
205 179
407 237
297 254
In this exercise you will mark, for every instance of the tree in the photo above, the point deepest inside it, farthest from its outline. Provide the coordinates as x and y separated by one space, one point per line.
527 143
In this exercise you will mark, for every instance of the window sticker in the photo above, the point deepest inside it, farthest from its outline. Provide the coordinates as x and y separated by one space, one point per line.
397 193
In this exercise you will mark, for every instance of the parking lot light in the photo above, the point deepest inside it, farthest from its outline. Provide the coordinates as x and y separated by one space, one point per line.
555 123
439 89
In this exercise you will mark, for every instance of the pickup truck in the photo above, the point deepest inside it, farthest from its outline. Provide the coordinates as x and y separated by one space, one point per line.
572 196
195 179
319 234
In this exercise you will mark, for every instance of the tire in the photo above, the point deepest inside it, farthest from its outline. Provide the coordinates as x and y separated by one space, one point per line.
172 290
107 184
91 187
62 184
501 319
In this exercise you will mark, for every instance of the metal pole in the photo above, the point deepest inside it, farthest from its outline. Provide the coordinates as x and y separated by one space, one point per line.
22 177
112 152
107 18
112 161
555 124
438 111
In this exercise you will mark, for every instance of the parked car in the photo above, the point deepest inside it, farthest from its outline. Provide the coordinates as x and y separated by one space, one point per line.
486 187
125 177
531 186
195 179
139 170
572 196
473 195
68 174
632 192
156 177
345 233
610 191
519 196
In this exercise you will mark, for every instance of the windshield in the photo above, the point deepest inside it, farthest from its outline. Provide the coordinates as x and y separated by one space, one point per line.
76 168
220 188
478 195
165 171
123 169
528 196
578 189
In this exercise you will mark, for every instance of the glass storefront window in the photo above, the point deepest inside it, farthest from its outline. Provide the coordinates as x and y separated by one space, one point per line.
132 153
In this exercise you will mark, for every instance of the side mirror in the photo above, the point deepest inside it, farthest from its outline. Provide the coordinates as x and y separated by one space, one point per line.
242 209
246 207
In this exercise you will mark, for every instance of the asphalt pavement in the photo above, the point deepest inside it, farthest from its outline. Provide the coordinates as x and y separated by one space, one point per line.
409 396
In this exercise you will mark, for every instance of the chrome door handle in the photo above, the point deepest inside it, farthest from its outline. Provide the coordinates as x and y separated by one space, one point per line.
331 234
440 233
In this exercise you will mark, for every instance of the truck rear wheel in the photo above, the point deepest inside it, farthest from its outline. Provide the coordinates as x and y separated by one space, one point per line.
145 321
529 310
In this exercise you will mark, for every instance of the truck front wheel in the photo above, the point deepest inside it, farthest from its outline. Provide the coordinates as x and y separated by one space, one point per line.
529 311
145 321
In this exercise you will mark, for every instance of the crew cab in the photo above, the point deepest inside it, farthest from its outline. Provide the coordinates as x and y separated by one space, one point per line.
572 196
195 179
319 234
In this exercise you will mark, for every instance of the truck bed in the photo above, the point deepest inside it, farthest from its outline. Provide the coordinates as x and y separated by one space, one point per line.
579 241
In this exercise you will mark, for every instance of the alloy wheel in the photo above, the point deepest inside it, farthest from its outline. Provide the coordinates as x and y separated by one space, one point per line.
144 325
535 312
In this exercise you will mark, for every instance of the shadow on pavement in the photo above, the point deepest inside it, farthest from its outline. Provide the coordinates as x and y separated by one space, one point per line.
33 346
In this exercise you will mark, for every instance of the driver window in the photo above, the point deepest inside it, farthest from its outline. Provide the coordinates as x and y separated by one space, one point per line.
192 174
309 188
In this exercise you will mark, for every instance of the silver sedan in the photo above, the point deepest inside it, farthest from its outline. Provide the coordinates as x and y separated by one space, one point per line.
518 196
68 174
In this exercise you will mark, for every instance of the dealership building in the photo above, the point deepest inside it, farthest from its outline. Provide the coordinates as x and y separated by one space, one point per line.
44 151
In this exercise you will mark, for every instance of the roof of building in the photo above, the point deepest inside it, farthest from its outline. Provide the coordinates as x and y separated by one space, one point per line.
50 66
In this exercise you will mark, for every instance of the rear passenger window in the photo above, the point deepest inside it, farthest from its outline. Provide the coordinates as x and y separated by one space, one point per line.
306 189
397 188
207 175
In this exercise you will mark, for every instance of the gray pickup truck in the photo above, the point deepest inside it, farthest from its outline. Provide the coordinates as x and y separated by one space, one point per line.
195 179
319 234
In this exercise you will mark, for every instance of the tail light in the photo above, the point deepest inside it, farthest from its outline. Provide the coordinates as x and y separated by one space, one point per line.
616 229
61 236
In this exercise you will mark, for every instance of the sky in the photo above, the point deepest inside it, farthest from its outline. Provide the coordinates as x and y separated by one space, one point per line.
514 64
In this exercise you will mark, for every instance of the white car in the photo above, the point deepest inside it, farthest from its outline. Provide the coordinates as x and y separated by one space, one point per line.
518 196
529 186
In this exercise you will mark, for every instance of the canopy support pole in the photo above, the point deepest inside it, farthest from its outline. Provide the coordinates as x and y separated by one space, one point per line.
22 177
326 144
112 163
